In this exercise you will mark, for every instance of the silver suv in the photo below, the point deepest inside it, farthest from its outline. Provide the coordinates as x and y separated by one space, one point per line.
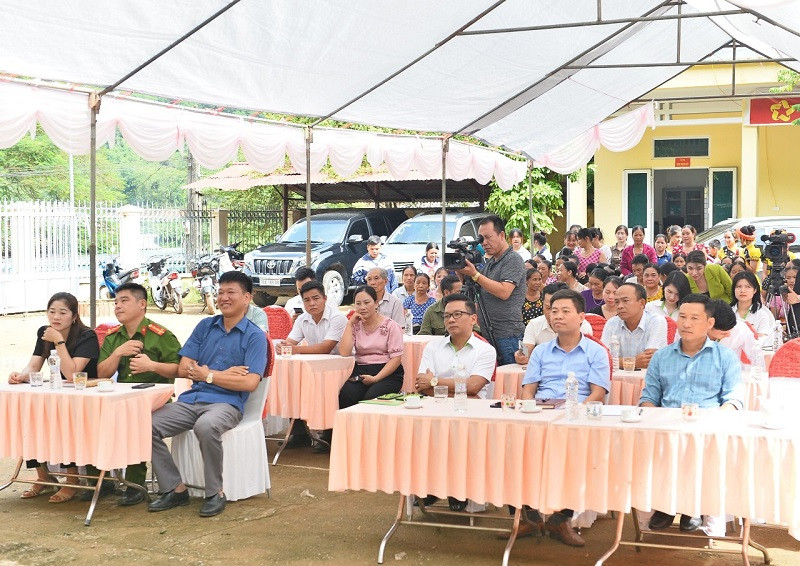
762 224
407 243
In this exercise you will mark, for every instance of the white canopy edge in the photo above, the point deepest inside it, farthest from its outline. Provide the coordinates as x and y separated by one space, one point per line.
157 131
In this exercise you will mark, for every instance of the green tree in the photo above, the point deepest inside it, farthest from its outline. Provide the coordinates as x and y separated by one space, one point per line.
513 206
790 80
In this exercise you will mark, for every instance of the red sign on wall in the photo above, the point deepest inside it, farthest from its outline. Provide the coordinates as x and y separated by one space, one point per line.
773 111
683 162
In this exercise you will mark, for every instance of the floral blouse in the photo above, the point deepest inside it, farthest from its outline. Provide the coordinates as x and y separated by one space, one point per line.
532 309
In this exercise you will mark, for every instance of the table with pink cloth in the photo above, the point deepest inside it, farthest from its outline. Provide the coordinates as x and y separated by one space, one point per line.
306 386
723 463
108 430
413 346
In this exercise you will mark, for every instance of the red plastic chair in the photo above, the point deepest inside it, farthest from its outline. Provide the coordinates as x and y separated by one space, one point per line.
610 369
102 331
268 370
786 361
672 329
598 323
479 337
280 323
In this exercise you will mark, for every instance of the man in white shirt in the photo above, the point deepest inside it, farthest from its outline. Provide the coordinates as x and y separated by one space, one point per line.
735 333
321 326
301 277
538 331
640 332
441 357
388 304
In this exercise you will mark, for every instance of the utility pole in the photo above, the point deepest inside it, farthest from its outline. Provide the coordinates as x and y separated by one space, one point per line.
192 225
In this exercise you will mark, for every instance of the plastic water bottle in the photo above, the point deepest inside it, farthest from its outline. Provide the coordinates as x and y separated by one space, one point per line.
571 405
613 347
409 323
460 395
777 337
55 369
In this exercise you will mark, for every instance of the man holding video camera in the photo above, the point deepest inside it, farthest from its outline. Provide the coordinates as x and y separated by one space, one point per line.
501 290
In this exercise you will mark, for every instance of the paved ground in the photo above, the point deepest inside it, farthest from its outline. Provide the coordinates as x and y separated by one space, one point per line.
301 523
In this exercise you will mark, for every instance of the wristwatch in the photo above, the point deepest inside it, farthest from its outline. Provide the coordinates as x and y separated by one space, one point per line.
434 381
210 377
61 342
475 277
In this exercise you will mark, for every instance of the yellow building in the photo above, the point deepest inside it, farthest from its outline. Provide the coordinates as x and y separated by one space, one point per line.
706 160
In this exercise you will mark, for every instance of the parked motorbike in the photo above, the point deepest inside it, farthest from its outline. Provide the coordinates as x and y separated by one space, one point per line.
208 268
165 284
113 277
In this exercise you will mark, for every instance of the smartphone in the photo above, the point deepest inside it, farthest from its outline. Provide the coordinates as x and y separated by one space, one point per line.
143 385
298 310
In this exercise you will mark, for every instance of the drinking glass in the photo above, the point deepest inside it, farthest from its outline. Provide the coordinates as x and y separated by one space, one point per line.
79 378
594 410
440 393
508 401
628 364
286 350
36 378
690 411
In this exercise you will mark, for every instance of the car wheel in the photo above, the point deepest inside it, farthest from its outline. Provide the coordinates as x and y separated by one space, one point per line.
262 299
335 288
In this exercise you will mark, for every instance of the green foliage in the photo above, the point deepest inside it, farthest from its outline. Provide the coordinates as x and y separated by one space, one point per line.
790 80
513 206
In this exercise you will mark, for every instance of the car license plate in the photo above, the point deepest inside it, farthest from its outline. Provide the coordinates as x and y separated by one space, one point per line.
270 281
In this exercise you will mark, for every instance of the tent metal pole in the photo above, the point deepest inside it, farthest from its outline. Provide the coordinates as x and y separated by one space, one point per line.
615 21
409 64
181 39
309 138
94 106
680 64
445 149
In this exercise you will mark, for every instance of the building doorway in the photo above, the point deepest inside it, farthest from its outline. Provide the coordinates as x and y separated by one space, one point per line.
679 197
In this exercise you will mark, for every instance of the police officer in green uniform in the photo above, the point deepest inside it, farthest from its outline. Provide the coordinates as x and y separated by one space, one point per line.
140 351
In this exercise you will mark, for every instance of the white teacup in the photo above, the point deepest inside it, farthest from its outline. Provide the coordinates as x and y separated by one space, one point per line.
413 401
528 405
105 386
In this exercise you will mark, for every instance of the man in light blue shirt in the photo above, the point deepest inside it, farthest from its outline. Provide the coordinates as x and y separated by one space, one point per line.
693 369
569 351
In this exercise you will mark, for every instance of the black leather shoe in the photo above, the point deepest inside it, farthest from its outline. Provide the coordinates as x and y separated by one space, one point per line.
428 500
660 521
297 441
689 523
131 496
318 447
455 504
108 487
213 505
169 500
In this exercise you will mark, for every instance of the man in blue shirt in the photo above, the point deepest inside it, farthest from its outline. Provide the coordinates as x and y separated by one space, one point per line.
225 357
569 351
693 369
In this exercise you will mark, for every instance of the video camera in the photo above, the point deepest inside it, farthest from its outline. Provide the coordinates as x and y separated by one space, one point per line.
776 251
466 249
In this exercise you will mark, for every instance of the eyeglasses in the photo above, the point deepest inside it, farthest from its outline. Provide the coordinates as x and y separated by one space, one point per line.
455 315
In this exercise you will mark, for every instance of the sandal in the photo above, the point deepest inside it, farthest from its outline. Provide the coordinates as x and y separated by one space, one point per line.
38 489
66 493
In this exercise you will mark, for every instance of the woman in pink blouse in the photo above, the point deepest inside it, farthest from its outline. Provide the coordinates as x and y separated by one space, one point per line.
378 344
638 247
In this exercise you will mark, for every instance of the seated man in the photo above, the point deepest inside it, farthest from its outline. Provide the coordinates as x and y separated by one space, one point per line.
736 335
640 332
302 276
321 326
550 362
693 369
433 320
225 357
439 356
139 351
538 331
388 305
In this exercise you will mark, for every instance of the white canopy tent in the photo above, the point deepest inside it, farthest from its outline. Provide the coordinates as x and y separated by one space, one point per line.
537 77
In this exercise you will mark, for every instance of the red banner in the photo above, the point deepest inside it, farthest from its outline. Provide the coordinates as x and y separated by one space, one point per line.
773 111
683 162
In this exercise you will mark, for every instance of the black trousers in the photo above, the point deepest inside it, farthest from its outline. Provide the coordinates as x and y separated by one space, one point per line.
354 391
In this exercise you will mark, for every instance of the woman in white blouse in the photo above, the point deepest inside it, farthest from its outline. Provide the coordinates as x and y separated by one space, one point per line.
675 288
747 304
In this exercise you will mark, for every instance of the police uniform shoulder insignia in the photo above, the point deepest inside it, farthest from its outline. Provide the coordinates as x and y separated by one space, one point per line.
160 330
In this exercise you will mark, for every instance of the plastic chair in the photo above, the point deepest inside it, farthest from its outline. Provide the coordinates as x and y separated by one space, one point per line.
786 361
280 323
672 329
479 337
270 365
245 462
598 323
102 331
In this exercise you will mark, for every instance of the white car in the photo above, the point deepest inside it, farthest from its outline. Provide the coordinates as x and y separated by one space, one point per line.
763 225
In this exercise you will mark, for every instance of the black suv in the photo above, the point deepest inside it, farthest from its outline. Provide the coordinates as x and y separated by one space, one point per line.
338 240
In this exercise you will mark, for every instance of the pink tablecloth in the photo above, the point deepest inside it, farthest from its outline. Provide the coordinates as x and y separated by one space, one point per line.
108 430
412 355
724 463
306 386
484 455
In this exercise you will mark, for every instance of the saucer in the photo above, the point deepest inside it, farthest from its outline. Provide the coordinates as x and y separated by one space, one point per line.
536 409
634 419
773 425
407 406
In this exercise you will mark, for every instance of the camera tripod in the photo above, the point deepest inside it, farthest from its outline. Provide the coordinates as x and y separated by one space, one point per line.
473 291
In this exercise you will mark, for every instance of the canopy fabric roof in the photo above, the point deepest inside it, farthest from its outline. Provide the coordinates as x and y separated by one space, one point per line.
496 69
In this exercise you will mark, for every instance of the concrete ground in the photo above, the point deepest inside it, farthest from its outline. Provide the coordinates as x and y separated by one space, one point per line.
301 523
